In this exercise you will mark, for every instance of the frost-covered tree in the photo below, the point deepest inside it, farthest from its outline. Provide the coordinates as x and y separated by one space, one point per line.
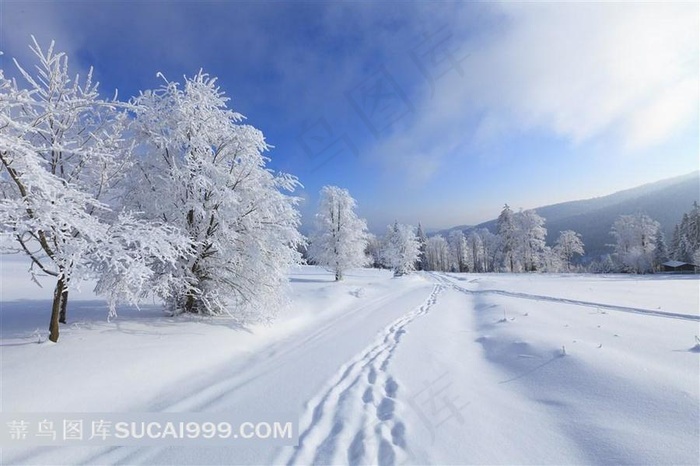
551 260
373 251
476 254
530 235
437 253
492 249
203 171
660 250
686 236
605 264
458 250
674 250
507 232
401 249
635 242
568 244
422 239
63 153
339 240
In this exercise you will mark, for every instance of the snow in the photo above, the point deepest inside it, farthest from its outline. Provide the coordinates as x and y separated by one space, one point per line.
429 368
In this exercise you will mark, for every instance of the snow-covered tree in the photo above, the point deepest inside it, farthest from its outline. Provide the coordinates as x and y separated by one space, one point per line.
675 248
605 264
491 244
340 238
373 251
686 236
530 235
63 154
437 253
551 260
203 171
401 249
521 240
568 244
660 250
422 239
508 238
476 252
458 250
635 237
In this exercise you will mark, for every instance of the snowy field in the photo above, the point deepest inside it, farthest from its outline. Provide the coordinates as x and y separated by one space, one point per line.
425 369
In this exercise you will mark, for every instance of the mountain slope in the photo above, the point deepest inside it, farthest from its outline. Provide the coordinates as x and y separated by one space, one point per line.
665 201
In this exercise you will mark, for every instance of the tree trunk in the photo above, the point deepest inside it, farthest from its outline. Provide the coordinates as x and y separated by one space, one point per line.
56 309
338 275
189 302
64 304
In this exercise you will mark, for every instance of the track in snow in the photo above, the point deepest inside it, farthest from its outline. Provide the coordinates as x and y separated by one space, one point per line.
354 420
445 280
206 394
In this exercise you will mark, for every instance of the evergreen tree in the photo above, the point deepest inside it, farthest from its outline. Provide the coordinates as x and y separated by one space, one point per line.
422 239
660 250
675 249
689 234
685 241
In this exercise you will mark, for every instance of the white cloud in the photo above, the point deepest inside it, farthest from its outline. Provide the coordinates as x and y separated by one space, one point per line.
623 73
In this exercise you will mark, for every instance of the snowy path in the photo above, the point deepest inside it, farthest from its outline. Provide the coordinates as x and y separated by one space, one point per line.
353 420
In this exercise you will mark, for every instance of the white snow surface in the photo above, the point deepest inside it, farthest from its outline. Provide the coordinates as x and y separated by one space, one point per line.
423 369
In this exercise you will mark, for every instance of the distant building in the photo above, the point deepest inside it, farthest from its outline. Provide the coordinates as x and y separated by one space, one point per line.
679 267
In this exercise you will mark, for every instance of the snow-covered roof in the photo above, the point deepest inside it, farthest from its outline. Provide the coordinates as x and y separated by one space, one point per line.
675 263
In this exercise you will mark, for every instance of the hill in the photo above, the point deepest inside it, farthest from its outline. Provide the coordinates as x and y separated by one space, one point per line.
665 201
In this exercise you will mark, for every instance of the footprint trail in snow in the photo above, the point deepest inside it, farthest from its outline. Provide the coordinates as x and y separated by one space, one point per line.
354 420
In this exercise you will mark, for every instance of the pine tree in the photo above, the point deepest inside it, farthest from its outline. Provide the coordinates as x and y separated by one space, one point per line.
422 239
675 249
689 241
660 250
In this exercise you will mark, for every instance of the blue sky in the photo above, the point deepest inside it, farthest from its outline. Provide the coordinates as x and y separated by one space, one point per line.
435 112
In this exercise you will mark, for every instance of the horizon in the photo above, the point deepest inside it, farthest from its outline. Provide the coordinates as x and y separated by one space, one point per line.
437 114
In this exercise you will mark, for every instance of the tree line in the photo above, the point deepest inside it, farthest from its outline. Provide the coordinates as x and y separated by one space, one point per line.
518 245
